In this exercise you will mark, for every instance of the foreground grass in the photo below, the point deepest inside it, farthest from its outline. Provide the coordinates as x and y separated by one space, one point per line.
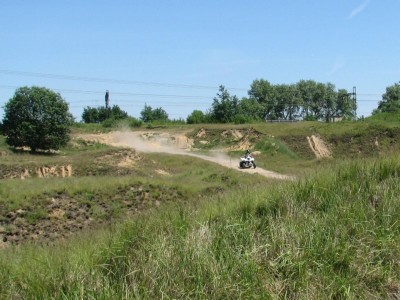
335 236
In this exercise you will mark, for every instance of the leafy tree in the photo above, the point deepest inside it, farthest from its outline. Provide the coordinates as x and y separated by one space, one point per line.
345 106
159 114
306 99
306 89
287 101
148 114
249 109
329 102
390 100
293 104
102 113
38 118
224 107
318 94
196 117
318 100
90 115
264 92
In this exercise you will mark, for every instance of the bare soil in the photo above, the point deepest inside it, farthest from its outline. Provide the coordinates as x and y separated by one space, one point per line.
318 146
61 216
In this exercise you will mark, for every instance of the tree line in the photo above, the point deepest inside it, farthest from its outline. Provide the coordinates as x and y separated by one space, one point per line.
39 118
305 100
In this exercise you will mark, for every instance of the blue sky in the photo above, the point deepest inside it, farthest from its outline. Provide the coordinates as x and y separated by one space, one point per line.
174 54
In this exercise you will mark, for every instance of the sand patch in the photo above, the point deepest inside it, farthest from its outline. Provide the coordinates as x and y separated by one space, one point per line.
201 134
162 172
318 147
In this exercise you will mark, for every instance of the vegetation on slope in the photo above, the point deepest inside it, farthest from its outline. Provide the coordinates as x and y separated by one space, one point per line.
215 233
333 236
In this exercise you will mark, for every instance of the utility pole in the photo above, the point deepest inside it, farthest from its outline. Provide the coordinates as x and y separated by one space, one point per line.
107 98
354 99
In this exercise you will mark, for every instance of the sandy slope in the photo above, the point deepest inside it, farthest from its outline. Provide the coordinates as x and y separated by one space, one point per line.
177 144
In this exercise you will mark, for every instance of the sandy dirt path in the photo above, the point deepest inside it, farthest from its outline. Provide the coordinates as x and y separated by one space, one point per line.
172 144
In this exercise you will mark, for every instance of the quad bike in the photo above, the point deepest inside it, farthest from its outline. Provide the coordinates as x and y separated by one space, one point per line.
247 161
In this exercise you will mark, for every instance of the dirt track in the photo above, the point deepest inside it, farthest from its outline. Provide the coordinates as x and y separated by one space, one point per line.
177 144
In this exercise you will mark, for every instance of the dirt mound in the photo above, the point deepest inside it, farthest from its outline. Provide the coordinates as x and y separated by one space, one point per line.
245 139
63 215
54 171
142 141
318 146
62 171
201 133
122 158
236 134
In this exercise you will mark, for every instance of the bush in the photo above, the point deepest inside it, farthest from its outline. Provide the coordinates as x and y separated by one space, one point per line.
101 114
196 117
133 122
241 119
108 123
148 114
310 118
130 122
177 121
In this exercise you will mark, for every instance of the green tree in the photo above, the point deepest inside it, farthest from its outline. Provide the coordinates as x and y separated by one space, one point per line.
250 109
159 114
306 89
287 102
345 106
117 113
102 113
329 102
224 107
38 118
148 114
265 94
196 117
90 115
390 100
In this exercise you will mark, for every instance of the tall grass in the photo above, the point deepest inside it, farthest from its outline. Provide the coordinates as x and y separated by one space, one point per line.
334 236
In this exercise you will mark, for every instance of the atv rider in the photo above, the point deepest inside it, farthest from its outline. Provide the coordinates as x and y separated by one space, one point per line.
247 154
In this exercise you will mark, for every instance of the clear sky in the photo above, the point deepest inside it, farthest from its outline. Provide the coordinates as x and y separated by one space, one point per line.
174 54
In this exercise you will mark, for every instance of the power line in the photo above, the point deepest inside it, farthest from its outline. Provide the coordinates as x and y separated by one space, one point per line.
148 95
118 93
123 81
108 80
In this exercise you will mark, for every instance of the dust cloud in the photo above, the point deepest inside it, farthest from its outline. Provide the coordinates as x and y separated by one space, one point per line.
177 144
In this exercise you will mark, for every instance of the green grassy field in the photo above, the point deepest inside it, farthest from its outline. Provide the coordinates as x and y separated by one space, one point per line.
207 232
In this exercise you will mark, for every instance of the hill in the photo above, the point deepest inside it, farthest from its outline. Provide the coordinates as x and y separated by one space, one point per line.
180 226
